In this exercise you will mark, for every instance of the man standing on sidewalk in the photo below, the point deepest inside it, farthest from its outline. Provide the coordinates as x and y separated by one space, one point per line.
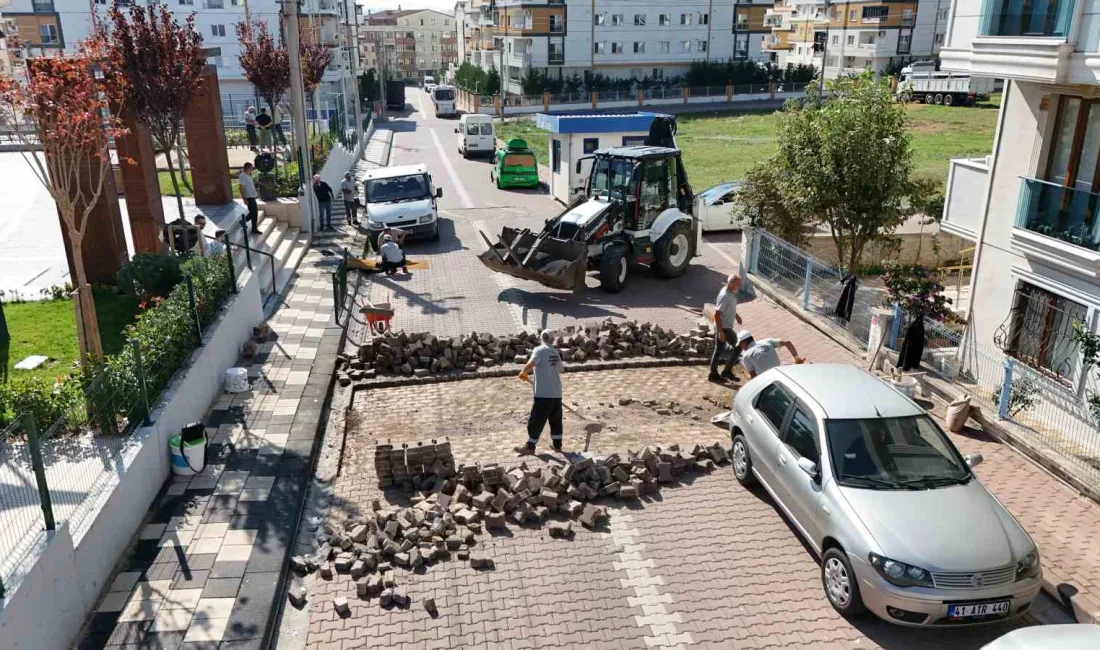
249 195
347 192
545 362
323 193
725 315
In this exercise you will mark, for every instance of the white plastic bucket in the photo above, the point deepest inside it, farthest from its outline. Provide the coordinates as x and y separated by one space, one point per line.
236 380
187 459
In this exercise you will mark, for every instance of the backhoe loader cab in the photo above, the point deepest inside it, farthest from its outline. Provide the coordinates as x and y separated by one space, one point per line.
636 210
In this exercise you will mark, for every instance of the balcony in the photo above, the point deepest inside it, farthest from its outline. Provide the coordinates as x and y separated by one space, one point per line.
42 6
1059 225
556 58
1011 19
518 60
967 179
1015 43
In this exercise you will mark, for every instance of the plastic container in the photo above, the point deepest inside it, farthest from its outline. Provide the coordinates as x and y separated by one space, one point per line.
236 380
188 458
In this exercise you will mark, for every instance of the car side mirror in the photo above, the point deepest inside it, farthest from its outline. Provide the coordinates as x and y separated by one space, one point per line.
973 460
808 466
439 192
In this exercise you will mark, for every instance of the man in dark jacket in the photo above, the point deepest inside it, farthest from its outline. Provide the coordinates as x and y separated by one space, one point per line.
323 193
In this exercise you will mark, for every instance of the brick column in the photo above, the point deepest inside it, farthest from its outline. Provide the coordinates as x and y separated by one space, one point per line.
104 246
144 206
206 144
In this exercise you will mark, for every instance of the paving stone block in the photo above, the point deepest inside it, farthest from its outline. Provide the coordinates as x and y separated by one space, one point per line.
386 597
344 561
494 521
429 606
549 498
561 529
480 561
297 596
340 604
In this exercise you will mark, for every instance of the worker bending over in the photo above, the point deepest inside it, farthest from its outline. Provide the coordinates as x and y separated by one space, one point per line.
393 257
761 356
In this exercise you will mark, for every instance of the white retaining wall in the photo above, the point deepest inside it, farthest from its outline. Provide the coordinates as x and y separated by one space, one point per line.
62 579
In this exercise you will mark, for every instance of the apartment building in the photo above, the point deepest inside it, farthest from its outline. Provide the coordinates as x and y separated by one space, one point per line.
1030 207
751 29
473 22
409 43
618 38
847 37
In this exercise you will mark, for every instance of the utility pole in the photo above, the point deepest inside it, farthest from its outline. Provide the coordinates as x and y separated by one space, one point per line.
298 112
825 46
353 59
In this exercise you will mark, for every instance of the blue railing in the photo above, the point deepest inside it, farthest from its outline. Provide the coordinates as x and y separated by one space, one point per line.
1059 212
1017 18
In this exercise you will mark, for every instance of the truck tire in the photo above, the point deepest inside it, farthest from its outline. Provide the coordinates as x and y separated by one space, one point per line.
672 252
929 99
613 269
939 98
948 100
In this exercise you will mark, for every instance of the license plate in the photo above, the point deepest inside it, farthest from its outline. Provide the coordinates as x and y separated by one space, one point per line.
978 609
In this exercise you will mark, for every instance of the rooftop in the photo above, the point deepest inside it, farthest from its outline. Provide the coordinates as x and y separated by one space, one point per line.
846 392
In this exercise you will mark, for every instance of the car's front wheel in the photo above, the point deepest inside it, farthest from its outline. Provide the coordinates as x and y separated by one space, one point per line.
841 585
742 461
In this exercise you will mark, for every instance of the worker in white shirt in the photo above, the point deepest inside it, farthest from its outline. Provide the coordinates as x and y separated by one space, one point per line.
392 256
761 356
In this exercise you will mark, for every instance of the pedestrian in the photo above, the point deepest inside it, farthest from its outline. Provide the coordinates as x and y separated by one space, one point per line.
249 196
545 363
761 356
277 126
725 315
392 256
323 193
250 126
347 191
217 246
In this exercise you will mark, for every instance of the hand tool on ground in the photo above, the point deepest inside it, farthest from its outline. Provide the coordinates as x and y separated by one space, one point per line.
592 426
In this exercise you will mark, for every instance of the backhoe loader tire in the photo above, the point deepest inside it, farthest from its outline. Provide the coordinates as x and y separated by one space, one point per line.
613 269
672 252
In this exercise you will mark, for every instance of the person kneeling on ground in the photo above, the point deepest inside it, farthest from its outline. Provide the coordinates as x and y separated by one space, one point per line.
545 362
761 356
392 256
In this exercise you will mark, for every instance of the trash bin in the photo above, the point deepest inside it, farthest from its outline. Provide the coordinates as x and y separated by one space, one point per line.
187 450
236 380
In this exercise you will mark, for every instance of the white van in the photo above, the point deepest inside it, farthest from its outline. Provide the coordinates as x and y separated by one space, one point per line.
402 197
475 134
429 83
444 99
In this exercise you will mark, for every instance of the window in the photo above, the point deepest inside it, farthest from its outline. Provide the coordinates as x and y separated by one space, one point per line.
907 17
664 47
893 454
836 39
1040 330
555 155
875 14
773 403
655 194
556 24
601 19
189 3
617 20
616 48
742 21
831 61
701 46
903 43
600 47
801 435
852 15
591 145
633 140
685 46
48 34
685 19
665 20
556 53
704 19
639 47
939 39
217 31
851 39
639 20
1075 144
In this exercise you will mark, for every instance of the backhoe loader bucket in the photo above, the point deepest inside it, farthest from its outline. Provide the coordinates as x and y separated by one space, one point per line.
556 263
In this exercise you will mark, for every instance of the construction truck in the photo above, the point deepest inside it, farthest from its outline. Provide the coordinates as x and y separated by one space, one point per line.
920 81
636 209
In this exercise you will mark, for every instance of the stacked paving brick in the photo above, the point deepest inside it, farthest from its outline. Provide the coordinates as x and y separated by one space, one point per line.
445 519
423 354
421 465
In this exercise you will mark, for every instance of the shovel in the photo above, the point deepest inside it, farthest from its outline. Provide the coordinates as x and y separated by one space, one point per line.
592 426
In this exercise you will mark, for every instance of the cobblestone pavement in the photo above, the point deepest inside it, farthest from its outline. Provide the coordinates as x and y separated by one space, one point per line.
706 563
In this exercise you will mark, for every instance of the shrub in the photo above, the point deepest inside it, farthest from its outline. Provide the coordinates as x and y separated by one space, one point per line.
150 274
47 399
1022 395
917 289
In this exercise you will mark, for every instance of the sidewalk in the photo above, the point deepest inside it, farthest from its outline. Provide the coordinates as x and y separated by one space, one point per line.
209 562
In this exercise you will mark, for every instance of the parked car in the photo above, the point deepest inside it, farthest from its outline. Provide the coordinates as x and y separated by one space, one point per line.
475 134
401 197
515 166
901 524
1049 637
717 210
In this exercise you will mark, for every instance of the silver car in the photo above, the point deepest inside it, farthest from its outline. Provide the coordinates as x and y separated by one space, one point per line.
901 524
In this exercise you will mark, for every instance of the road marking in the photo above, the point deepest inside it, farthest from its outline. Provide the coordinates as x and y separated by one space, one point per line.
505 282
463 195
419 106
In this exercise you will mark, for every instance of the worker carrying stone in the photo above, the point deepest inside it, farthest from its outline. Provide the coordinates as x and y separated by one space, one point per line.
761 356
545 364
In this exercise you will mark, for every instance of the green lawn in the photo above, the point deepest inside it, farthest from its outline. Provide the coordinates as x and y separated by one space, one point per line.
722 146
49 327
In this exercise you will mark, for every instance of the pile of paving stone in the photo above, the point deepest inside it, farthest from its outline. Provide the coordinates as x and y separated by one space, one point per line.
421 465
423 354
446 518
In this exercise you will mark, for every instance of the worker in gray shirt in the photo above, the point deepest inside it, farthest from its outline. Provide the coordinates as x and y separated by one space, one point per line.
545 363
761 356
725 315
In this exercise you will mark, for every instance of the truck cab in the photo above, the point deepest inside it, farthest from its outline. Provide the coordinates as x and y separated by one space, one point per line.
402 197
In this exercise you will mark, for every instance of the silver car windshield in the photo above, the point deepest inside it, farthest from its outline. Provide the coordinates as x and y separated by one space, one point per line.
399 188
909 453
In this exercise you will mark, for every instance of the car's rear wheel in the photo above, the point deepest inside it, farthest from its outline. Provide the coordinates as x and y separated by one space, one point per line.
613 269
742 461
672 253
841 585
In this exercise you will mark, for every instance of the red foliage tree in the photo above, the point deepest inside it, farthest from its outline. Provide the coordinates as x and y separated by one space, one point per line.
161 63
264 60
315 59
68 100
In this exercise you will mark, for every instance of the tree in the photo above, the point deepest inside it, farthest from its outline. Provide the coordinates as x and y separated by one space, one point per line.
315 59
161 63
265 61
492 82
368 86
762 199
846 160
70 104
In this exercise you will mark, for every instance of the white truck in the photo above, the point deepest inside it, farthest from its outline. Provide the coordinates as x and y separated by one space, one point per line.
921 82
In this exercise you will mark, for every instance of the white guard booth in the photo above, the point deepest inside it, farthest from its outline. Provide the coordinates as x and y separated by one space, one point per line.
576 135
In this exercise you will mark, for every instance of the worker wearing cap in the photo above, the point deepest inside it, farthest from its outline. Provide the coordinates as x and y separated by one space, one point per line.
392 256
545 363
761 356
